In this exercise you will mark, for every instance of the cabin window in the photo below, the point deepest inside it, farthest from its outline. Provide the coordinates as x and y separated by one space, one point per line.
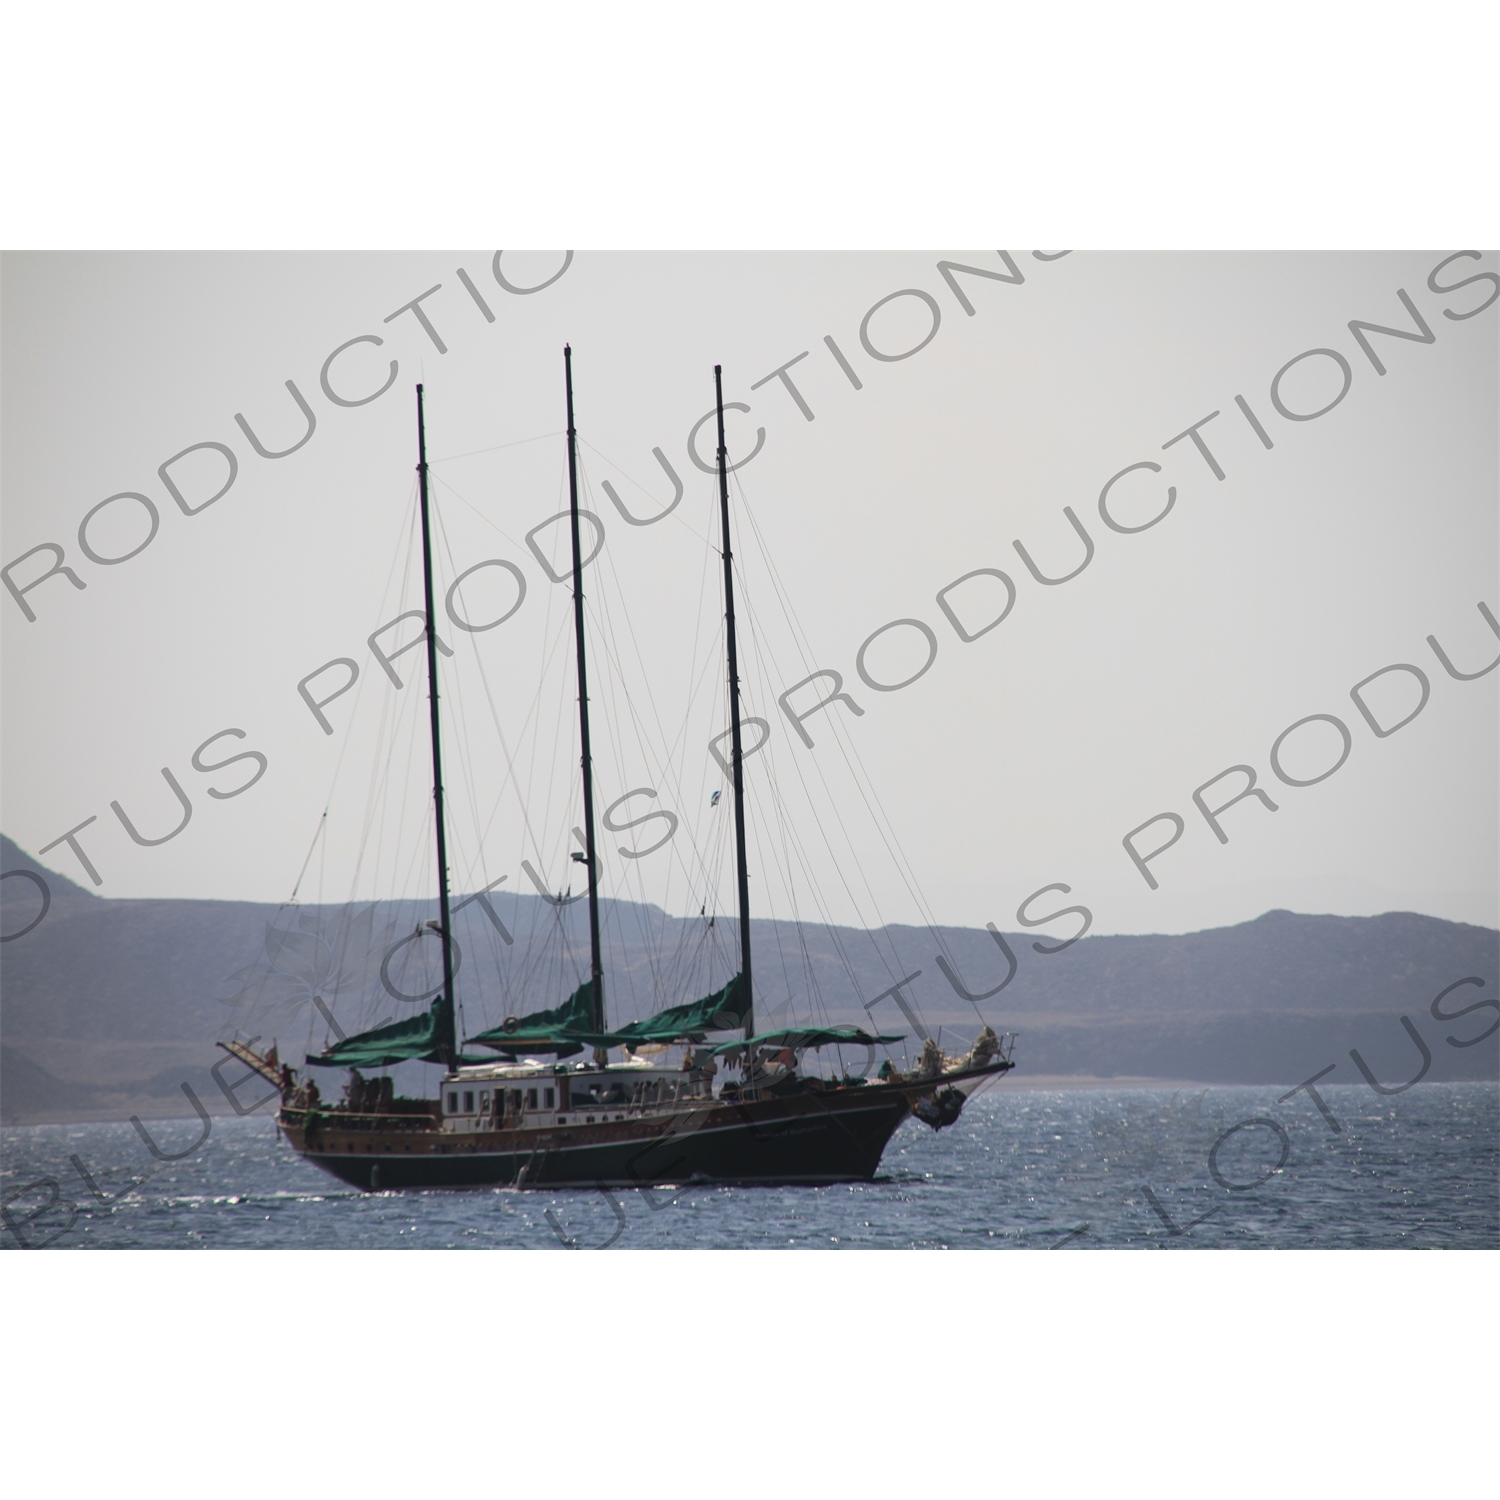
530 1098
550 1097
452 1104
484 1102
468 1101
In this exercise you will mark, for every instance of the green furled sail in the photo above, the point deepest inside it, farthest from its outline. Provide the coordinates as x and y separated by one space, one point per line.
417 1039
563 1030
810 1036
568 1028
721 1011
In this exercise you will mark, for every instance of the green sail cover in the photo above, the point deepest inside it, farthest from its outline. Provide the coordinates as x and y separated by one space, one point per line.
564 1030
721 1011
810 1036
412 1040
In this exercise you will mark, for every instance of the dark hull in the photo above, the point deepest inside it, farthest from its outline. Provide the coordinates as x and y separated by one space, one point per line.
833 1136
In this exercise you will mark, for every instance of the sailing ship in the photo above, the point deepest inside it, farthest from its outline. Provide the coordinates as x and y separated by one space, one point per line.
524 1114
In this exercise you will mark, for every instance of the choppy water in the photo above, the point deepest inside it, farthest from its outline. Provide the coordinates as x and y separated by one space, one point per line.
1068 1170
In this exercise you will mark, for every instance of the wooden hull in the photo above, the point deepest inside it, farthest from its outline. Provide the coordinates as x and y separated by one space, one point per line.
829 1136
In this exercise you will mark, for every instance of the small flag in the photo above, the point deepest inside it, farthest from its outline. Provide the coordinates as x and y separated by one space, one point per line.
714 800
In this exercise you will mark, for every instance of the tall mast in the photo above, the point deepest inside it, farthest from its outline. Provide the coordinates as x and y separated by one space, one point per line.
596 969
447 1043
734 715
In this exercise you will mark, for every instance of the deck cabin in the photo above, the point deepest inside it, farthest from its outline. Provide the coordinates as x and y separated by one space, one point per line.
532 1094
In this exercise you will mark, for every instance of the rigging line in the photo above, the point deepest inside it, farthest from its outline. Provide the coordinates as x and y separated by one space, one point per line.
865 795
764 829
706 674
493 525
611 683
814 993
387 730
786 871
759 641
669 748
322 826
814 886
402 712
541 437
610 638
783 824
704 573
458 717
830 926
359 694
832 929
665 770
882 820
405 711
815 989
631 875
569 810
783 827
461 858
616 686
709 777
676 515
684 963
390 707
670 757
512 777
715 832
612 687
562 714
537 949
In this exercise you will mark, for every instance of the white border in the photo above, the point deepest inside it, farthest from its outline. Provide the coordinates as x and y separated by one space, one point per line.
811 125
1077 1374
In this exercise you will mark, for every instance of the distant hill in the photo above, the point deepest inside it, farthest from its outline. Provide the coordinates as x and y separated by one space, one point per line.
109 1001
23 899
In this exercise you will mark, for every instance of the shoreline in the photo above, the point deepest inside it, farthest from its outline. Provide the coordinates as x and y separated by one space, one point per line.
1085 1082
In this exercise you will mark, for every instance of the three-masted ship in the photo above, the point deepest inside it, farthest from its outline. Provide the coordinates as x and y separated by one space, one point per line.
526 1114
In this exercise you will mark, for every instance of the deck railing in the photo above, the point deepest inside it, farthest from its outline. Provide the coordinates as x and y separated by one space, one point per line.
338 1119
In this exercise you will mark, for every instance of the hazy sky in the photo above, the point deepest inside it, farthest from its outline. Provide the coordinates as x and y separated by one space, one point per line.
1018 759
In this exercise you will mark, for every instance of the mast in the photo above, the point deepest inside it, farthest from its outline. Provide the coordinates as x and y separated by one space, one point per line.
734 715
596 968
447 1043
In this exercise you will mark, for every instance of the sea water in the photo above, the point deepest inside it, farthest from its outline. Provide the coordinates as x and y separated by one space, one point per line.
1223 1167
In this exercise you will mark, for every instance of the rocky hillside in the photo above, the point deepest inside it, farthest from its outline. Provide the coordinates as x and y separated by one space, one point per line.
109 1005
